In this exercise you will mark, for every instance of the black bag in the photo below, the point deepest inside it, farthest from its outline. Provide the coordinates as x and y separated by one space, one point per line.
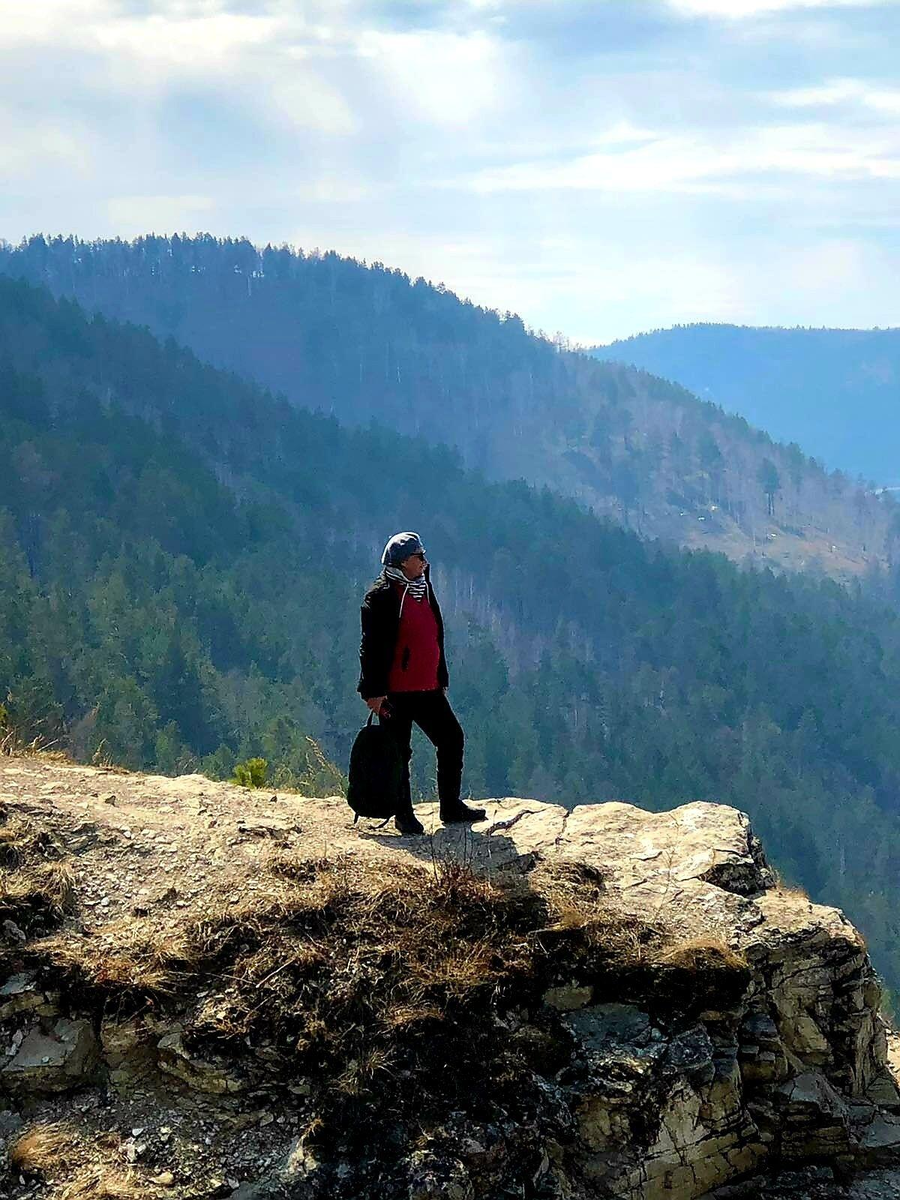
376 773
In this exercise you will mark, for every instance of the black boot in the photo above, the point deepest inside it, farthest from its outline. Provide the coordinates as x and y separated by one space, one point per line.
459 813
408 824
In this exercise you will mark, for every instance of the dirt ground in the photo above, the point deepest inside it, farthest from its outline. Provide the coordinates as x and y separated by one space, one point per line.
142 848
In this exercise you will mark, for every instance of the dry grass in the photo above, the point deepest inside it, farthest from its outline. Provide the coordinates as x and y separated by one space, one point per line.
134 957
699 974
102 1182
703 954
21 841
591 933
385 982
14 742
45 1149
72 1167
37 883
45 888
375 980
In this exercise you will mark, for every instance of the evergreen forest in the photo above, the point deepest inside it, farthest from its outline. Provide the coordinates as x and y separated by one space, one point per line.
365 342
182 557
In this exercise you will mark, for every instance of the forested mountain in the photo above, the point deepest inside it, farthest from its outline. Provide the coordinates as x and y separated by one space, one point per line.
367 343
835 391
181 562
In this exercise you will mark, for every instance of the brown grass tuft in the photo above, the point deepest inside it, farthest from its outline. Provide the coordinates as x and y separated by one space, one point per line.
101 1182
37 883
45 1149
585 916
59 1155
135 957
703 954
22 842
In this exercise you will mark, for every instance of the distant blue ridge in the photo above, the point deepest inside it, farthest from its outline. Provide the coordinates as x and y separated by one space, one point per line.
836 392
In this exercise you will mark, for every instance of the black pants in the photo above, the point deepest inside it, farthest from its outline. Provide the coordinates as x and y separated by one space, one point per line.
432 713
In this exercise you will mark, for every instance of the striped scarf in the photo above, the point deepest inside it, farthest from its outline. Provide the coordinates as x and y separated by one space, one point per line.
417 588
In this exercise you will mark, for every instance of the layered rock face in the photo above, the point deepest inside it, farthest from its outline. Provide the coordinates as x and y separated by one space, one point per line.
761 1067
795 1069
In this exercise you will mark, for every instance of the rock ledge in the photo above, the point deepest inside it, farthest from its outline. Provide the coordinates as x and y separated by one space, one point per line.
782 1081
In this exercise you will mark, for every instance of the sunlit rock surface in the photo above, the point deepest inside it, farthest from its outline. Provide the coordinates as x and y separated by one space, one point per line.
780 1083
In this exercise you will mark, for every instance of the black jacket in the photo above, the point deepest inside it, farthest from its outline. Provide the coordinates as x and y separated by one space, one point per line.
380 618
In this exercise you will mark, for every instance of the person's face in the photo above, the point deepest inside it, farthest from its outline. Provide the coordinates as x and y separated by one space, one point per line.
414 566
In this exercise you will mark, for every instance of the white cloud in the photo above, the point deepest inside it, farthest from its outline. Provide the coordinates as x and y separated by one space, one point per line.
64 144
449 79
841 91
836 91
135 215
599 167
737 10
335 190
308 102
194 44
839 263
186 36
50 20
689 164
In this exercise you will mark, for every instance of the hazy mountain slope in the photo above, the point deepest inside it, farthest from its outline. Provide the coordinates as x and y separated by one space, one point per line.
182 558
835 391
366 343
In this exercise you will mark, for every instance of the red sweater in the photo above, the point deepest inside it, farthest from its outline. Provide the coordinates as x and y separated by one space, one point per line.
417 654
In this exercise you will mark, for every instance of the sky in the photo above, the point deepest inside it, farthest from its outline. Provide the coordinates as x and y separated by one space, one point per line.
601 167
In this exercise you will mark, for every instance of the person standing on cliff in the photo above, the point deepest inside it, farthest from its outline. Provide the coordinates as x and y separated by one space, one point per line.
403 674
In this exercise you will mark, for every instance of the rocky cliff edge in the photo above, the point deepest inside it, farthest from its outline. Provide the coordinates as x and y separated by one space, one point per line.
207 991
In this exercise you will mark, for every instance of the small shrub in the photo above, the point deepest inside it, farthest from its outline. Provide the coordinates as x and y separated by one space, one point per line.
252 773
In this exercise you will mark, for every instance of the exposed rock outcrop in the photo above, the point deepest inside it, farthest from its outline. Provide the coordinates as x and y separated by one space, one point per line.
739 1052
793 1068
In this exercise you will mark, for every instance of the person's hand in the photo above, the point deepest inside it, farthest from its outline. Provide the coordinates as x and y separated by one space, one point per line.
375 703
